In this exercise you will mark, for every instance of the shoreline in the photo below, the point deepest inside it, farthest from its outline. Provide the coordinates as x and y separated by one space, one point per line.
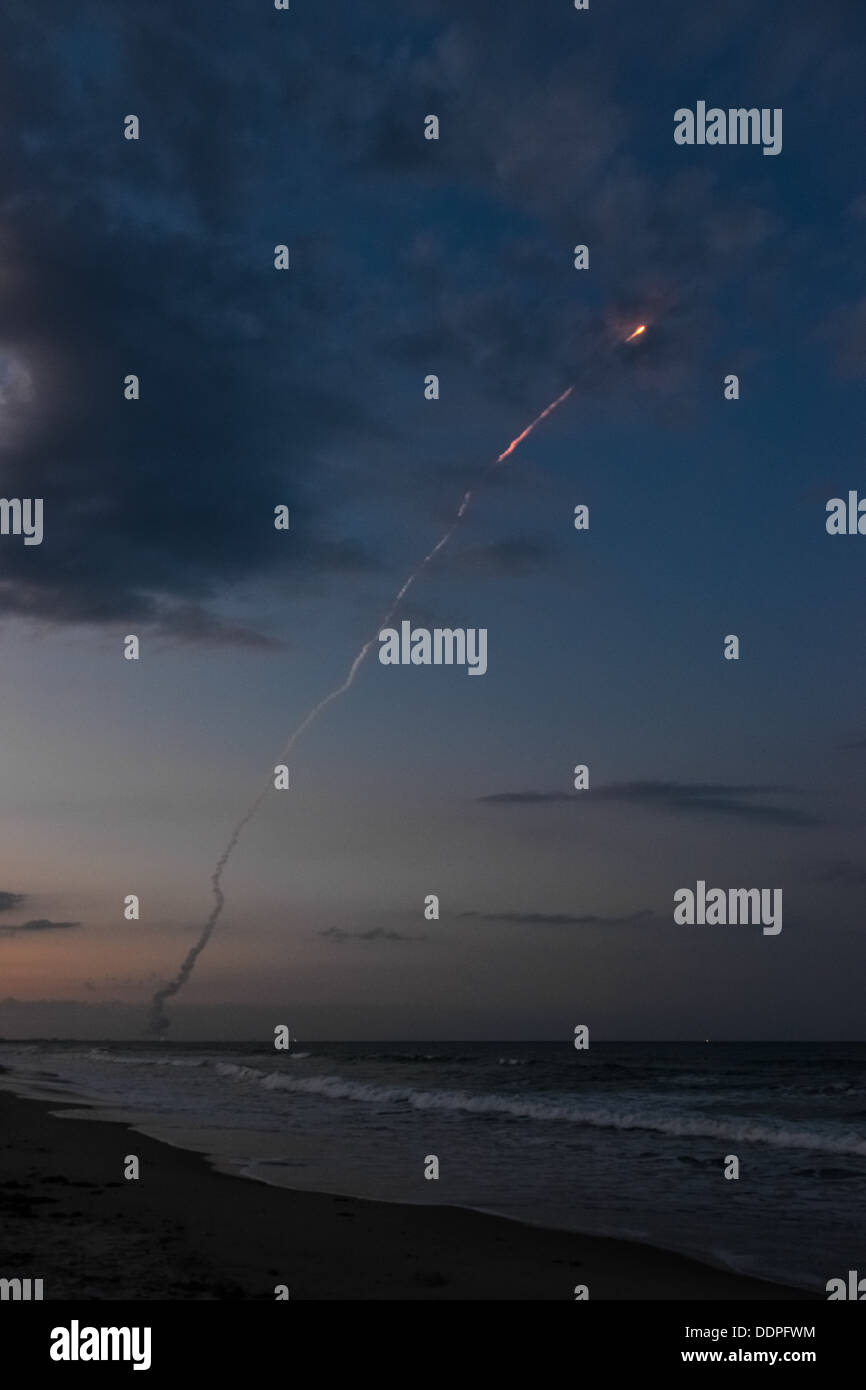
186 1230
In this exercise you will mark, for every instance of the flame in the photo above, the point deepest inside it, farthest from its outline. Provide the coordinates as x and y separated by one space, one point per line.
641 328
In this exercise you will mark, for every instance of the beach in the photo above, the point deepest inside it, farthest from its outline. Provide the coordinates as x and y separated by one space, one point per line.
184 1231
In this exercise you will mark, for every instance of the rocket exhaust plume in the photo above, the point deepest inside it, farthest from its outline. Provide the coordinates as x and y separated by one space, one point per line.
158 1020
641 328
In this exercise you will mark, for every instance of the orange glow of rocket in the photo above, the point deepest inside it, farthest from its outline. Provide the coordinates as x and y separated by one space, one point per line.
641 328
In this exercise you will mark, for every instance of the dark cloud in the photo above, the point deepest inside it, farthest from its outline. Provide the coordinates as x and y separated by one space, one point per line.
39 924
155 257
696 799
148 257
374 934
191 623
260 387
9 901
559 919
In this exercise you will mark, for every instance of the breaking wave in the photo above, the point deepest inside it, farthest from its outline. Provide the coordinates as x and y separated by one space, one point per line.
596 1115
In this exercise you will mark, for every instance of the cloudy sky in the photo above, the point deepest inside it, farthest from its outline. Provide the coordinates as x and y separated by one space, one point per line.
305 387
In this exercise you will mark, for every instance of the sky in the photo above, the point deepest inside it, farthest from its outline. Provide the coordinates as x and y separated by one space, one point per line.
305 388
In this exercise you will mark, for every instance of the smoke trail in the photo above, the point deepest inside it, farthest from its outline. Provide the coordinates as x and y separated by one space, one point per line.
158 1020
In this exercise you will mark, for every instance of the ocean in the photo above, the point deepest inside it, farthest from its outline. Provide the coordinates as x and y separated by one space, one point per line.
626 1140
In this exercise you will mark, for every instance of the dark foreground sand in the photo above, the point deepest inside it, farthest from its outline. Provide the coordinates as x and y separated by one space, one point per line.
182 1231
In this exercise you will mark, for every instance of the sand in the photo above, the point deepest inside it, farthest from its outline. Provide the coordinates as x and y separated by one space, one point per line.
183 1231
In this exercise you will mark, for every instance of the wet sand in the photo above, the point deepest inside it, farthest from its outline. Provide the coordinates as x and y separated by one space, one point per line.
183 1231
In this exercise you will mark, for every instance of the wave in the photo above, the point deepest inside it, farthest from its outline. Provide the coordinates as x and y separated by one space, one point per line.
406 1058
592 1116
96 1054
237 1072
